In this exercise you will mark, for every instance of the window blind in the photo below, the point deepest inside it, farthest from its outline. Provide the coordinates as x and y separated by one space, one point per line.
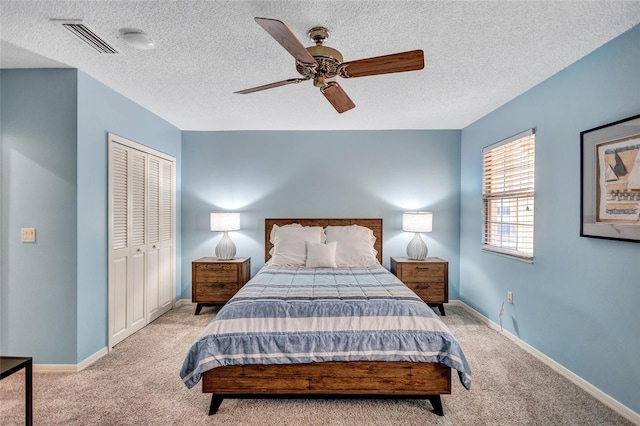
508 172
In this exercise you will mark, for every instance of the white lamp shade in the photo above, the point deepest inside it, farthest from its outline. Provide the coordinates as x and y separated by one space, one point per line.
417 221
225 221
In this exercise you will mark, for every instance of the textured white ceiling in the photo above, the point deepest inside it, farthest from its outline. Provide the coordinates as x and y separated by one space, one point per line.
478 55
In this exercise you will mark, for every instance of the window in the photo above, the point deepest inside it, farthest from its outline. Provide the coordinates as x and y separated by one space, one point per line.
507 196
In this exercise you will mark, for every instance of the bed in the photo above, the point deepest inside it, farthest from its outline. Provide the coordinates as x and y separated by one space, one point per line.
249 351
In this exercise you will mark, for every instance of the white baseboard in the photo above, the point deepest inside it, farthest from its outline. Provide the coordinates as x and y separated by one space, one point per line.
55 368
70 368
615 405
93 358
181 302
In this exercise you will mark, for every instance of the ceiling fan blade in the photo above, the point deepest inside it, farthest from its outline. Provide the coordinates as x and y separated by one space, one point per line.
398 62
337 97
271 85
283 35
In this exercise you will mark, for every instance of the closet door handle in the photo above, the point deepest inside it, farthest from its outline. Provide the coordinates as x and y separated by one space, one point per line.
139 250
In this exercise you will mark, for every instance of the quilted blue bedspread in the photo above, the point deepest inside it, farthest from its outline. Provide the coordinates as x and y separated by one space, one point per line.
302 315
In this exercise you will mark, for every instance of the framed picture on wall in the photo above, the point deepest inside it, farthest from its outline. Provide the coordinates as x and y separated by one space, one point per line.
610 181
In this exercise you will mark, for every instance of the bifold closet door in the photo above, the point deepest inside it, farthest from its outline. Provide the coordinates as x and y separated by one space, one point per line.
160 232
141 236
127 265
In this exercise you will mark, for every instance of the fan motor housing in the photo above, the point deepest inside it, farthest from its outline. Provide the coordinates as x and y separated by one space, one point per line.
328 60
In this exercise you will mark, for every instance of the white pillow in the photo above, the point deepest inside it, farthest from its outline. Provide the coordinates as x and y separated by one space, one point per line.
275 229
289 243
321 255
355 245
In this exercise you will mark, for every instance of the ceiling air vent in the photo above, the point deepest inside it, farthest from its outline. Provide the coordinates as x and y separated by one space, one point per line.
88 36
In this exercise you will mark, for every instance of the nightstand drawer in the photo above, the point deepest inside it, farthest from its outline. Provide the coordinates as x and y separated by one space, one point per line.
417 273
216 273
215 292
433 292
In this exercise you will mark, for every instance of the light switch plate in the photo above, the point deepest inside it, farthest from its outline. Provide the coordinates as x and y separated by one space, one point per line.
28 235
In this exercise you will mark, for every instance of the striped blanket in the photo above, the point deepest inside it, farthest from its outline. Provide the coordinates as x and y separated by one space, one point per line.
301 315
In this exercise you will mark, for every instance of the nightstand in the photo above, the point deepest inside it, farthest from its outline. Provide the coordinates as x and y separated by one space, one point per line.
214 281
428 278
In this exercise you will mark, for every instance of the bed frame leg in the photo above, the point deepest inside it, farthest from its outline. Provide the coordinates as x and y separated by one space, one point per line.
437 404
216 400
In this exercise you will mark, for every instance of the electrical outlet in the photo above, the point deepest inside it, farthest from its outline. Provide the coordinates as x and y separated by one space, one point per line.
510 297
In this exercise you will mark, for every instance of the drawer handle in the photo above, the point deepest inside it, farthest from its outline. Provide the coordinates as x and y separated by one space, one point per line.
214 266
423 267
423 286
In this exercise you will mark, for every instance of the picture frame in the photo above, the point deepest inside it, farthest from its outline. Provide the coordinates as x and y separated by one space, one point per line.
610 181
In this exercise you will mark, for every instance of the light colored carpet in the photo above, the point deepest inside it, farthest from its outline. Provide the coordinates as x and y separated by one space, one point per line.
138 384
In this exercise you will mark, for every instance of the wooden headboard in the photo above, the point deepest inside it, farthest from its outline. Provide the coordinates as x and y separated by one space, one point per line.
374 224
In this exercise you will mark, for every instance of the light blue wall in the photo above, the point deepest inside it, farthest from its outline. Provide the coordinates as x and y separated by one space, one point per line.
102 110
320 174
579 301
54 178
38 289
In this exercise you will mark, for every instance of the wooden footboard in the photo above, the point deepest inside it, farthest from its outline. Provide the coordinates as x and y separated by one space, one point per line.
330 380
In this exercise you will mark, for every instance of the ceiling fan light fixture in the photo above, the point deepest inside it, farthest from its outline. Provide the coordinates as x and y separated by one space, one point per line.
138 39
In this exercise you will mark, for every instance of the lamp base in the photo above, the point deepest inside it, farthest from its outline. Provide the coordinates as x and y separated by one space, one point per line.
417 249
226 249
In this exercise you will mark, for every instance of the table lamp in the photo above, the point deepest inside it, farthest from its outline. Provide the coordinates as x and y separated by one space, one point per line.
225 222
417 222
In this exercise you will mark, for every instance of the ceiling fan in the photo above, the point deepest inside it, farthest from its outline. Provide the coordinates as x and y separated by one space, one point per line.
321 63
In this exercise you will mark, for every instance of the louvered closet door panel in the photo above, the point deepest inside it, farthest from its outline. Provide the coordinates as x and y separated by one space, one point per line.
153 222
119 277
153 217
160 225
120 198
165 259
137 305
166 208
138 199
